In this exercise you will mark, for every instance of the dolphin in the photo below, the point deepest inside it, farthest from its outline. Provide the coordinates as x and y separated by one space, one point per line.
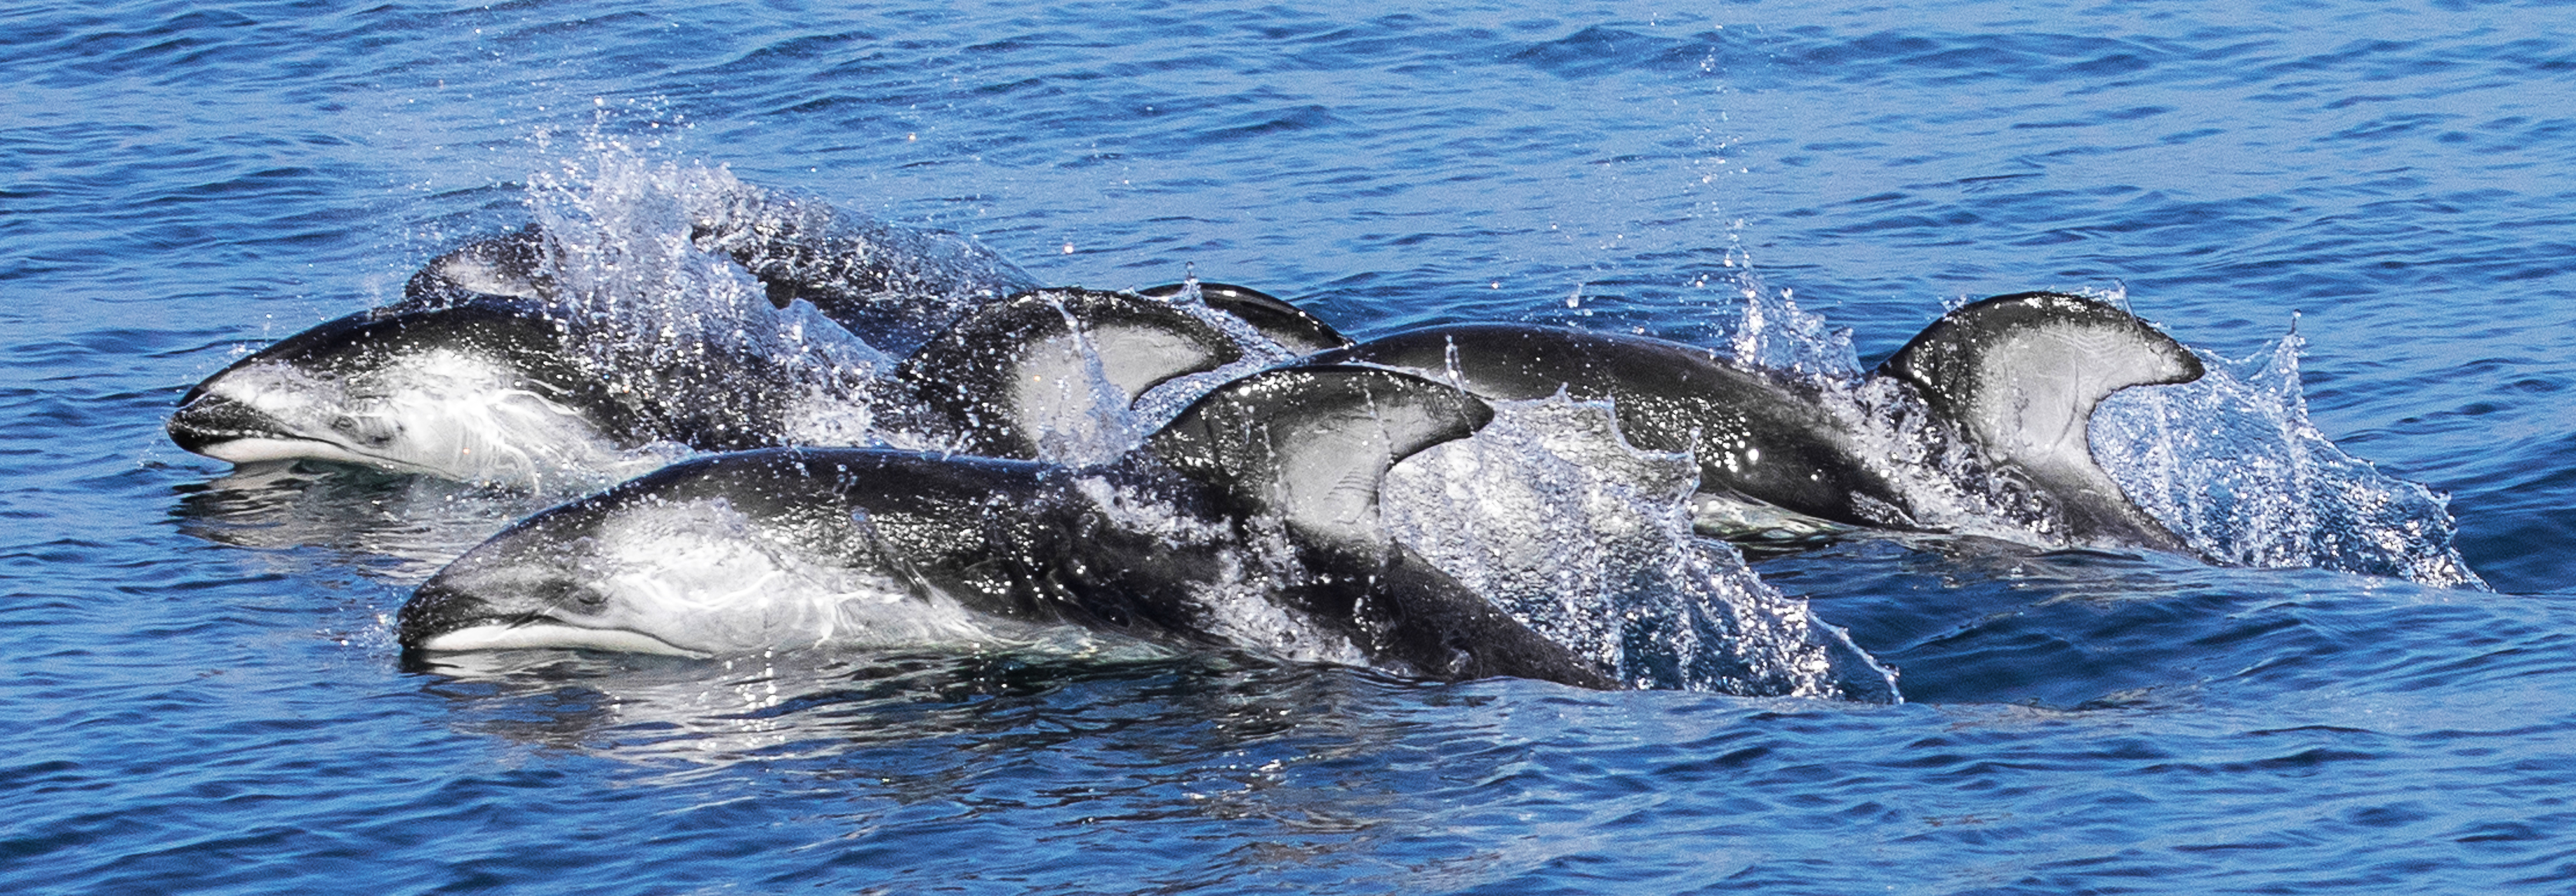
891 284
2014 379
1295 329
512 391
1250 522
488 389
517 265
857 279
469 380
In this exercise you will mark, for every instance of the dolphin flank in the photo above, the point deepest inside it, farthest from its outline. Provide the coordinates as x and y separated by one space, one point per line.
2013 378
1250 522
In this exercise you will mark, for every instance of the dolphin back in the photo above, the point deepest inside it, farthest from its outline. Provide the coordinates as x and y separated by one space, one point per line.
1294 328
516 265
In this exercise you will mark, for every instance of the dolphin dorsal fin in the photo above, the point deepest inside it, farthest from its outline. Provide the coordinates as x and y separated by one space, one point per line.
515 265
1010 371
1311 444
2021 374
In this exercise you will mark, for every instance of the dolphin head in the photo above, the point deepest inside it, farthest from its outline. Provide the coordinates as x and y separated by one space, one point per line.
483 390
725 554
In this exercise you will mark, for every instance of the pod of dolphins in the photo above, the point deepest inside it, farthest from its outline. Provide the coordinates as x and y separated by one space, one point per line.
1241 513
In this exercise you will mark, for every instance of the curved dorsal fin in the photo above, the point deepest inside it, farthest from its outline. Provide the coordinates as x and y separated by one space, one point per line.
514 265
1311 444
2021 374
1011 371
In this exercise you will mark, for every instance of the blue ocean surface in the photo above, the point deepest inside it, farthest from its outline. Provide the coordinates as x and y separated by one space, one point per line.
2363 214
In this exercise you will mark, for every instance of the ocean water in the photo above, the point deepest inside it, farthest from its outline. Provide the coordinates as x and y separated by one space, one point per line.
2360 212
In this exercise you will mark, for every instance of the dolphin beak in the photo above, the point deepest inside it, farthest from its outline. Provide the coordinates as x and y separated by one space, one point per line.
2191 366
435 610
441 618
205 420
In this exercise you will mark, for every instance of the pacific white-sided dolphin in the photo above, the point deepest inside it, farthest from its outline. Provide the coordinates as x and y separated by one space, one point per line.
491 389
487 387
1250 522
890 285
2015 378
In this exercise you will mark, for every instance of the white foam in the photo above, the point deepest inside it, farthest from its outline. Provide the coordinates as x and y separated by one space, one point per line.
1551 515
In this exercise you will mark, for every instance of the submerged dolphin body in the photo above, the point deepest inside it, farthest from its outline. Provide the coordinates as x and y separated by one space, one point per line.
2014 377
1249 522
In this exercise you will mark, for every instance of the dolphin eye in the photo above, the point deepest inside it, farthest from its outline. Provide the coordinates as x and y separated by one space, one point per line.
580 598
375 431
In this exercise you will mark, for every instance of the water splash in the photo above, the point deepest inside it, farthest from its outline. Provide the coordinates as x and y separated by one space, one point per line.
1772 333
1260 352
664 317
2231 464
1549 514
892 285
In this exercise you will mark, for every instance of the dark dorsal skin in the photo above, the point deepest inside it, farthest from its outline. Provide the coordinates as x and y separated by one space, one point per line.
1025 540
515 266
2017 376
1755 436
1290 326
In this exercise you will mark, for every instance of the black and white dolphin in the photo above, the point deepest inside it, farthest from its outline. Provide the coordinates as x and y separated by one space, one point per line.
517 391
470 380
1250 522
489 389
2013 378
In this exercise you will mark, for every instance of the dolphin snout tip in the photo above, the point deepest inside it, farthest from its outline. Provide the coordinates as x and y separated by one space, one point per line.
205 419
435 609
